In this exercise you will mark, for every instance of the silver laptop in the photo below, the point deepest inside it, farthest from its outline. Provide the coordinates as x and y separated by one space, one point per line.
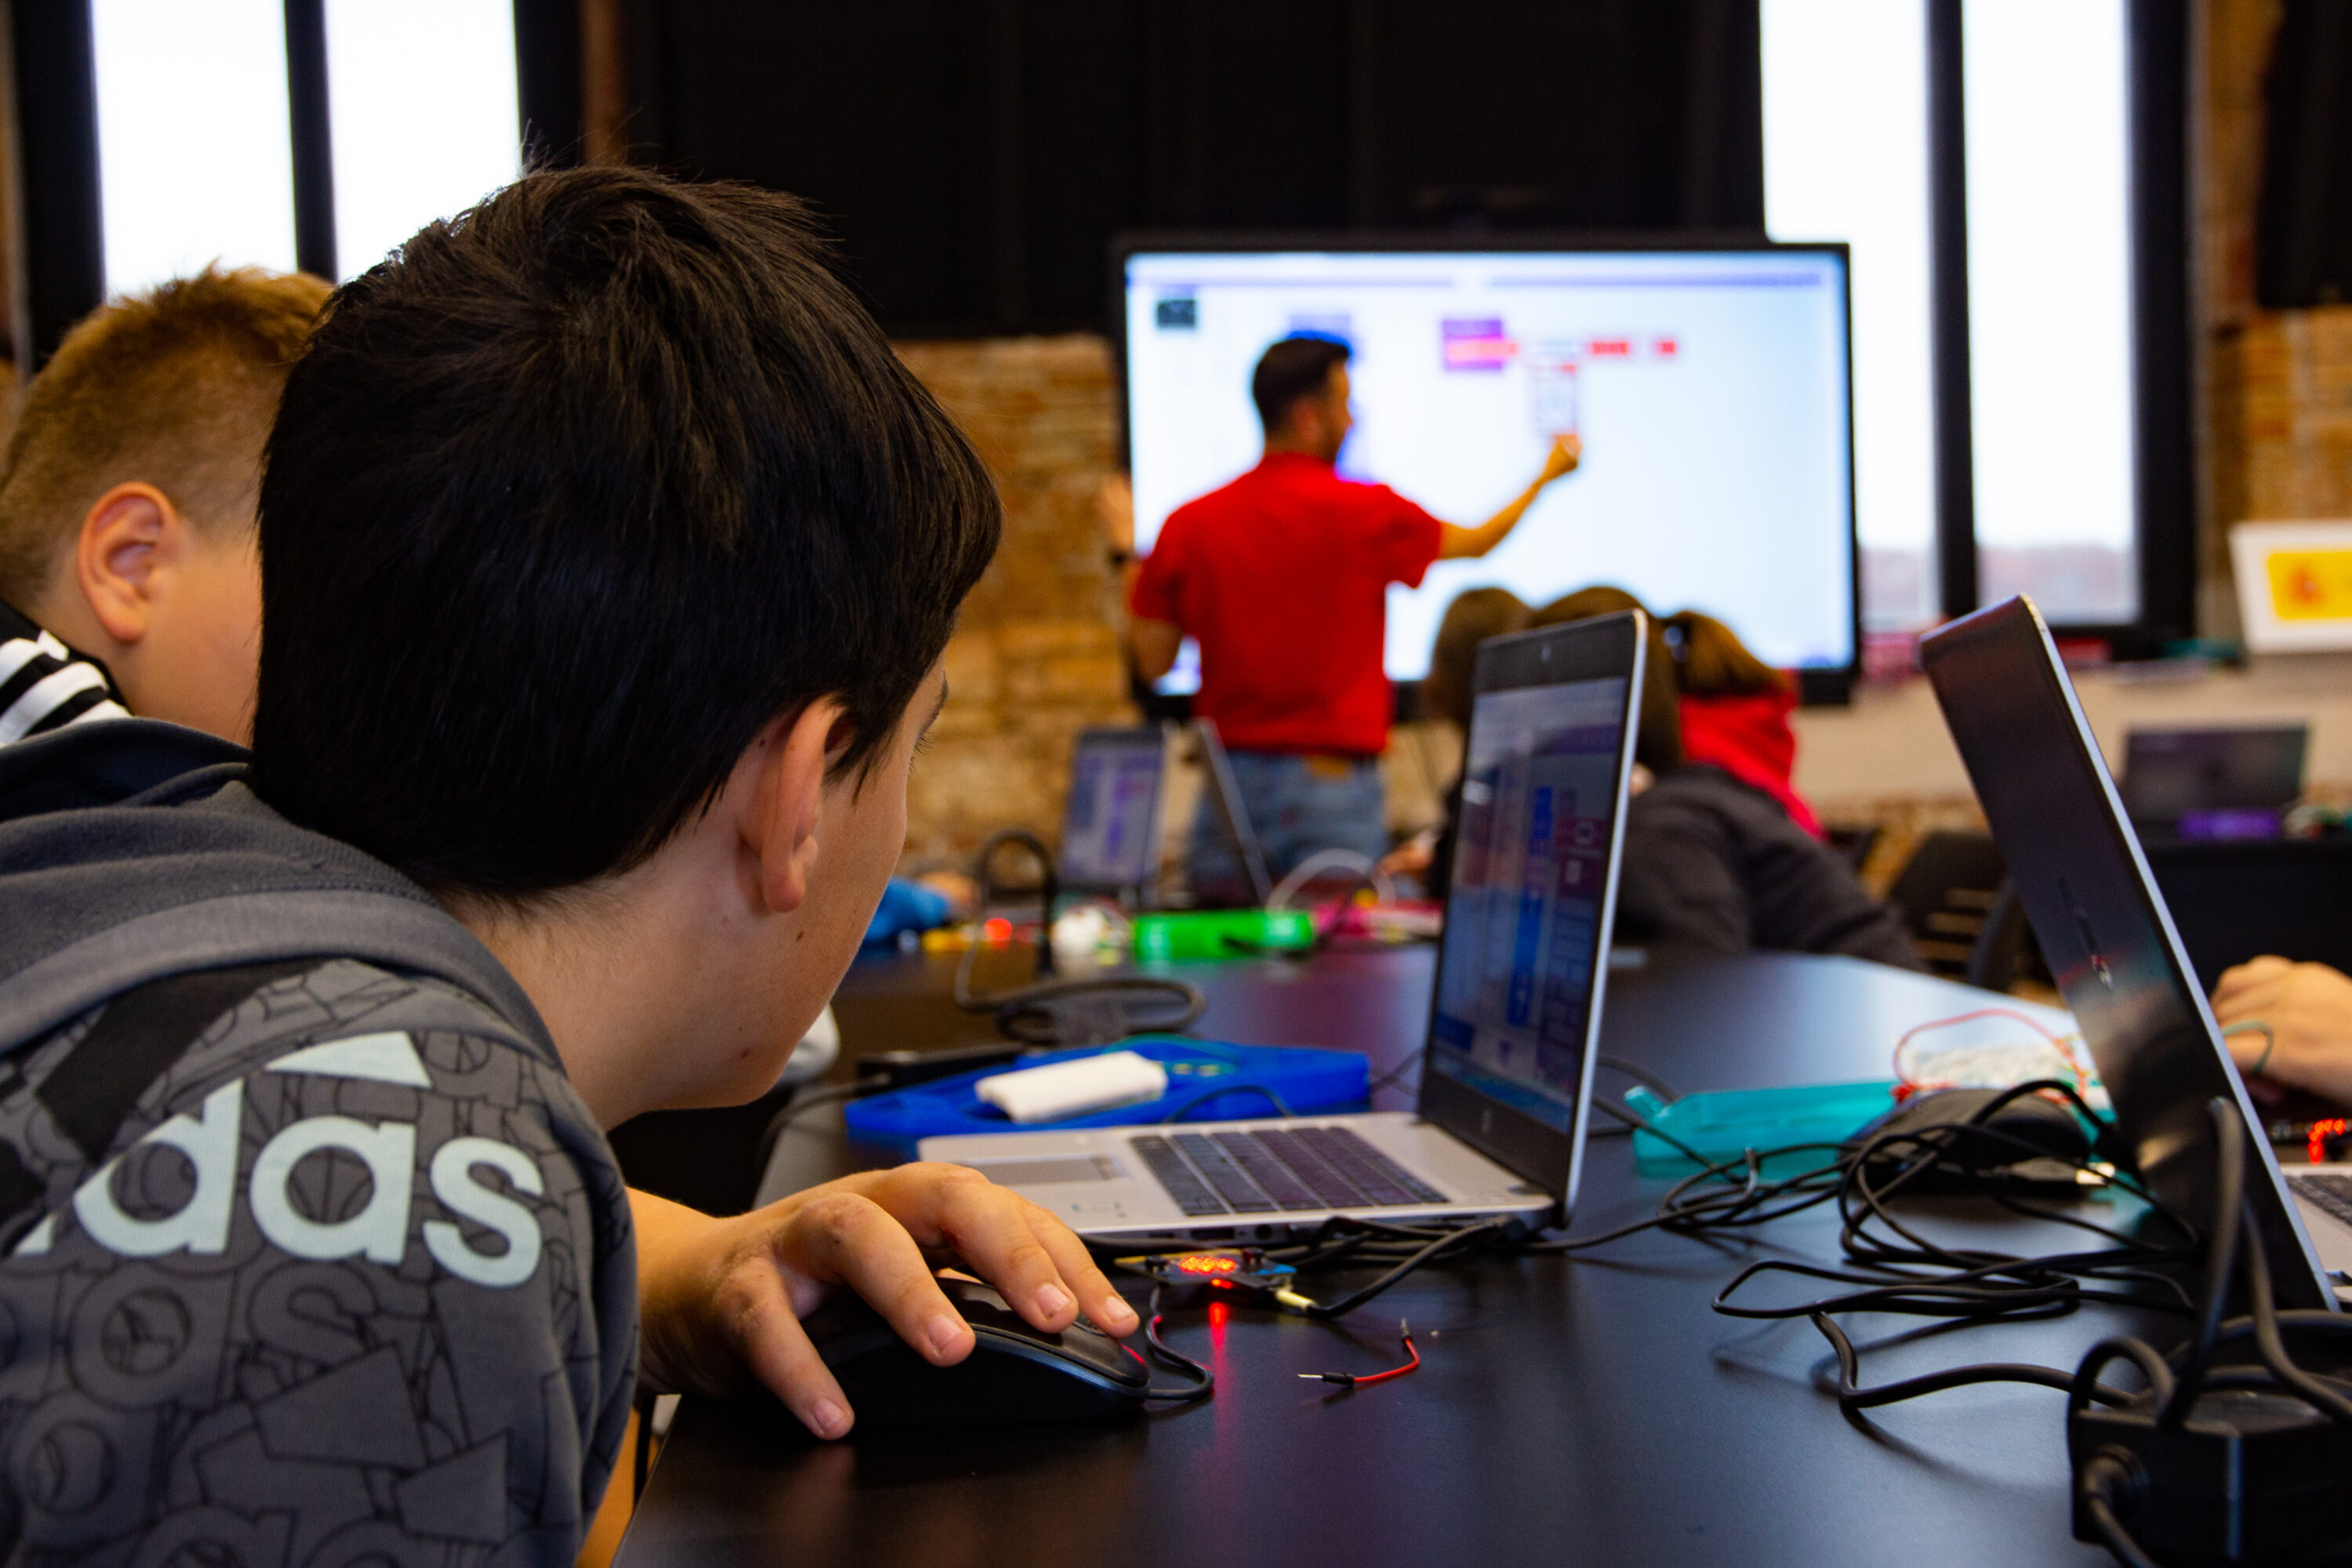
2110 941
1110 825
1514 1020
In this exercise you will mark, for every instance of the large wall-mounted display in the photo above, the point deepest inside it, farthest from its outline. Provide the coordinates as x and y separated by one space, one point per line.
1710 387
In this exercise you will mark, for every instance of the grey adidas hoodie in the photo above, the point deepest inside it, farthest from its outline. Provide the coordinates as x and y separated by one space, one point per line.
309 1251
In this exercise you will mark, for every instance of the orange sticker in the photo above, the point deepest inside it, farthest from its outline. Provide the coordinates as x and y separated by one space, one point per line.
2310 584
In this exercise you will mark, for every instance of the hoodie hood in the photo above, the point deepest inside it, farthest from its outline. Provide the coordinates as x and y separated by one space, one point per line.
1749 738
131 850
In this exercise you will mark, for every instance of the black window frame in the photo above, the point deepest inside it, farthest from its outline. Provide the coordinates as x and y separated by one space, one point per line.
54 61
2163 432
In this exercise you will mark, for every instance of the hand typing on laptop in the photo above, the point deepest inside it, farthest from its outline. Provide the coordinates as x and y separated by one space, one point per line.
2292 1025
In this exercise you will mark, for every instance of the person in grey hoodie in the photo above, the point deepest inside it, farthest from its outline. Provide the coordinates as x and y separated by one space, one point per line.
608 556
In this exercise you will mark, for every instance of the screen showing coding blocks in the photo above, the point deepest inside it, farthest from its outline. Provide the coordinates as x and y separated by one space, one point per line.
1710 390
1523 918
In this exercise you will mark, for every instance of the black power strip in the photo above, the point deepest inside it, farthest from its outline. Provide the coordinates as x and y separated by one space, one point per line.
2247 1477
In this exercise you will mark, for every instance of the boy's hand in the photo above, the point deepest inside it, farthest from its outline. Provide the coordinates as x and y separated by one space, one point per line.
721 1300
2307 1008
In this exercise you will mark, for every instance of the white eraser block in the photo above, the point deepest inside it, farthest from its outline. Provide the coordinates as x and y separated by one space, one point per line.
1075 1088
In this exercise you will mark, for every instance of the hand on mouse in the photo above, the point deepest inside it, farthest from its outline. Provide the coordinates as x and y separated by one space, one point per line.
720 1300
2308 1009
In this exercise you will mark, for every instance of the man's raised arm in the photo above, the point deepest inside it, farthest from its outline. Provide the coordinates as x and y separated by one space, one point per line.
1459 543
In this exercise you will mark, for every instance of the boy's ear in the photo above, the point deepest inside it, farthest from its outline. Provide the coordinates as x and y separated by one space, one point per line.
128 534
788 799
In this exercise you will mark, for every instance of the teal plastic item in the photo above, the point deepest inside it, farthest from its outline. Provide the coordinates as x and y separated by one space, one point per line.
1725 1123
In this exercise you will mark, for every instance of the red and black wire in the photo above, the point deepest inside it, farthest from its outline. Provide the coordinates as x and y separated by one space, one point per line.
1364 1379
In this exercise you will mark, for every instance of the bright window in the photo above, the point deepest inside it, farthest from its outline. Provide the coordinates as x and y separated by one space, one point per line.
2046 142
421 97
1845 157
196 164
2050 304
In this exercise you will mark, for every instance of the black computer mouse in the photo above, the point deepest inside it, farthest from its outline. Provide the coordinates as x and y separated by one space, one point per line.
1015 1374
2028 1137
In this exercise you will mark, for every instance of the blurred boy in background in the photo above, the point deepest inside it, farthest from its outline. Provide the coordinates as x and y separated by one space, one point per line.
129 572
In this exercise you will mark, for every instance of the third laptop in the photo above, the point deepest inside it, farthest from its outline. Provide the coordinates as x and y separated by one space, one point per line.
2110 941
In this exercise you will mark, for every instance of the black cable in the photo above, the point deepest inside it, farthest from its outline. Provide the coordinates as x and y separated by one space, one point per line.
2152 1366
1642 1124
1025 1012
1640 1075
1852 1396
1691 1208
1901 1279
1175 1359
1394 1074
1281 1107
1467 1239
2098 1502
1346 1242
2222 1261
1892 1268
1048 890
2272 1348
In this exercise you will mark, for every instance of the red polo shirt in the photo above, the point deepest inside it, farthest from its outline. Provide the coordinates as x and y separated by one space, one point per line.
1282 577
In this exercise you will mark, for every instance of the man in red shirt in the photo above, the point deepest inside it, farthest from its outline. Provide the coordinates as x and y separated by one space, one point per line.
1282 577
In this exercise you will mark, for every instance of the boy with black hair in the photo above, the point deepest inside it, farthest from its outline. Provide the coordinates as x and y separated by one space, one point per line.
609 554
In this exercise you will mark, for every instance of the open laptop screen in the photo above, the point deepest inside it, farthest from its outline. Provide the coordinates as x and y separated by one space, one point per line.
2101 925
2170 773
1110 831
1523 921
1526 921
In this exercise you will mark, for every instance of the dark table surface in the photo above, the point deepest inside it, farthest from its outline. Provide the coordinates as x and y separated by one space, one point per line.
1596 1408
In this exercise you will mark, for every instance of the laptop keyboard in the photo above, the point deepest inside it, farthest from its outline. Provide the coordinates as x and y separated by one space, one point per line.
2330 1192
1278 1170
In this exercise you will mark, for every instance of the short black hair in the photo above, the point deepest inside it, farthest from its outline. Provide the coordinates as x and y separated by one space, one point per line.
1292 369
567 501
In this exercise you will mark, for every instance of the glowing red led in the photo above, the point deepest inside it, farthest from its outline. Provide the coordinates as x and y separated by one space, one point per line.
2321 1131
1206 1263
997 929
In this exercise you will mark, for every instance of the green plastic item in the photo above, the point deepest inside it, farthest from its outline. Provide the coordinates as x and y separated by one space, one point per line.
1725 1123
1221 933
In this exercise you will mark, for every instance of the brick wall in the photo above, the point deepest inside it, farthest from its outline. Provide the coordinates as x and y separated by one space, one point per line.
2293 387
1037 657
2278 383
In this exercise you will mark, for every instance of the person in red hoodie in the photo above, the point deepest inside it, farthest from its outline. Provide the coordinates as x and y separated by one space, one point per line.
1721 855
1735 712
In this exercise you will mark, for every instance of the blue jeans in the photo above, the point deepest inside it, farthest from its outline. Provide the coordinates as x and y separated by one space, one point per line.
1294 813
